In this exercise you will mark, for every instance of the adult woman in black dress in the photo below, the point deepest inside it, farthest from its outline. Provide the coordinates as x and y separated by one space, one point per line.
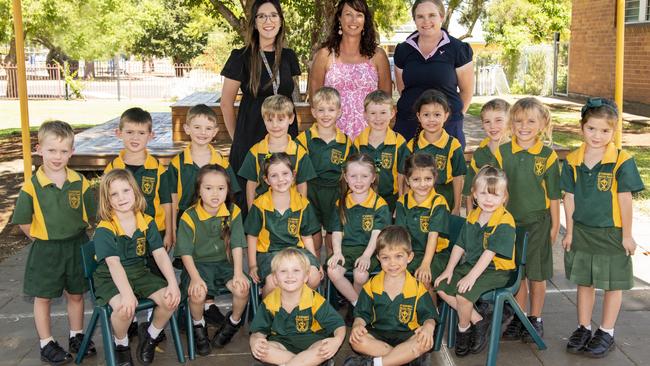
432 59
261 69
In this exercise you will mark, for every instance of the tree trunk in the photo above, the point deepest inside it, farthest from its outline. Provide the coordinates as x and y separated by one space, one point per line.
89 69
11 70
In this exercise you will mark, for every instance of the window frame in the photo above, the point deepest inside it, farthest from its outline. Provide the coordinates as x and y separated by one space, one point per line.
644 13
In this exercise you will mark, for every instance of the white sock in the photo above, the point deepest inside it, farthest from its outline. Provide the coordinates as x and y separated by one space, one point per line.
153 331
199 322
149 312
73 333
539 319
587 327
463 330
122 342
232 321
377 361
608 331
45 341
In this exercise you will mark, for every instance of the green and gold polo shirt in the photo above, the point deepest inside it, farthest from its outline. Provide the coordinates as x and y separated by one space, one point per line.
111 241
447 152
497 235
596 190
276 231
388 156
252 165
327 158
55 213
361 219
313 317
533 178
420 219
481 157
199 233
407 312
182 171
148 177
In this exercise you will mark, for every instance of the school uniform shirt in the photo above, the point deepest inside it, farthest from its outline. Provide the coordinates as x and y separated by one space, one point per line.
497 235
252 166
420 219
406 312
313 318
55 213
149 179
199 233
276 231
482 156
327 158
596 190
388 156
361 219
533 178
447 152
111 241
182 171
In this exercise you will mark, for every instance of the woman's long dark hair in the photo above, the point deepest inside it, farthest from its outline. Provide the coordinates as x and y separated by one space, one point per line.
369 39
253 44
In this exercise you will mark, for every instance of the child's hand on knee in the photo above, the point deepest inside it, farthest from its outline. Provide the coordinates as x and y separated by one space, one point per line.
446 275
362 263
327 348
172 296
197 288
254 274
335 260
423 274
357 333
466 283
127 306
240 281
424 335
260 348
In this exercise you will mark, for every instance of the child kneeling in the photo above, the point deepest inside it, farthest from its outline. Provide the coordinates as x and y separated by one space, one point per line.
123 239
394 316
295 325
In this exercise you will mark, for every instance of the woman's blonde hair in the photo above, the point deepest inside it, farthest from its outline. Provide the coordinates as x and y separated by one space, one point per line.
105 210
533 105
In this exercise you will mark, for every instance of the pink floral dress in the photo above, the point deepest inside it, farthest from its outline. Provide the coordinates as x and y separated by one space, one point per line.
353 82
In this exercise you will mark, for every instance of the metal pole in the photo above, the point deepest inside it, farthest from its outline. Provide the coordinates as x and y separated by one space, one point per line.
22 89
556 46
620 48
116 70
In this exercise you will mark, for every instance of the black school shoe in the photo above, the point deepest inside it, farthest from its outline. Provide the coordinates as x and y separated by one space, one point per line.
357 360
480 335
74 343
539 328
123 356
513 330
201 340
146 345
224 336
54 354
599 345
214 317
578 340
133 330
463 342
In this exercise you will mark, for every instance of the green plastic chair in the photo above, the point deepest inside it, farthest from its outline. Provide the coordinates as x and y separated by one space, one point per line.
102 313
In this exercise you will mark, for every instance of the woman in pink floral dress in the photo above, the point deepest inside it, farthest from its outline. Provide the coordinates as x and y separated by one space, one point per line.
351 62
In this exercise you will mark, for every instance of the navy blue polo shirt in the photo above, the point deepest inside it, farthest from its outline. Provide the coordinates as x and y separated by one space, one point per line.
435 71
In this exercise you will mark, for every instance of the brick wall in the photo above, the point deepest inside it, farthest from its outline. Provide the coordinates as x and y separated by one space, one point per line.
592 54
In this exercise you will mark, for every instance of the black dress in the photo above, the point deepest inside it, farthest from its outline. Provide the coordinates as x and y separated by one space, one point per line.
249 128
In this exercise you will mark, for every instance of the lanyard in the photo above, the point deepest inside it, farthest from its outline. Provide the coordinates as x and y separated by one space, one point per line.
276 82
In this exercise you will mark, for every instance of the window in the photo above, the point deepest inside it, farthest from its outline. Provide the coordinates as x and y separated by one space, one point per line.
637 11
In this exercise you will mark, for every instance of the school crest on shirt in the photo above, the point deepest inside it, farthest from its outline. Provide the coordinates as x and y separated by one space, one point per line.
386 160
147 184
367 222
424 224
302 323
74 198
605 181
140 246
441 162
292 226
405 313
336 157
540 165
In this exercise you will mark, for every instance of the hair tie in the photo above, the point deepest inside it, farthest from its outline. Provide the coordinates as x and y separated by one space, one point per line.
593 103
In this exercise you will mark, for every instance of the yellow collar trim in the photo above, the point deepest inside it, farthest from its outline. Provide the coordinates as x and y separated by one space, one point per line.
494 220
204 215
215 157
535 149
368 203
427 203
44 180
409 290
610 156
140 223
296 200
341 138
389 139
273 301
442 141
485 142
263 146
149 162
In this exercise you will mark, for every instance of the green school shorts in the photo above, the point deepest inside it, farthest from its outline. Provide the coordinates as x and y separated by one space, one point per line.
215 275
264 262
297 343
597 258
490 279
352 253
142 282
392 338
53 266
323 199
539 253
438 264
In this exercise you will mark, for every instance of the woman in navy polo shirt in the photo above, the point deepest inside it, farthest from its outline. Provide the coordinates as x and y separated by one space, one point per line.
432 59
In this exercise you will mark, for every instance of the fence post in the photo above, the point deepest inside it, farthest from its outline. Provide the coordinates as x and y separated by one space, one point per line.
116 71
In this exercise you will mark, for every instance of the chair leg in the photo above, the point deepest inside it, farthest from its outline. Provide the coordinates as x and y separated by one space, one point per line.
177 339
440 330
524 320
255 294
107 336
90 329
495 333
452 325
189 326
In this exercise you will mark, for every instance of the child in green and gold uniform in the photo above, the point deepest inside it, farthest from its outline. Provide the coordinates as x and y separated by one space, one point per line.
487 240
211 242
598 181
